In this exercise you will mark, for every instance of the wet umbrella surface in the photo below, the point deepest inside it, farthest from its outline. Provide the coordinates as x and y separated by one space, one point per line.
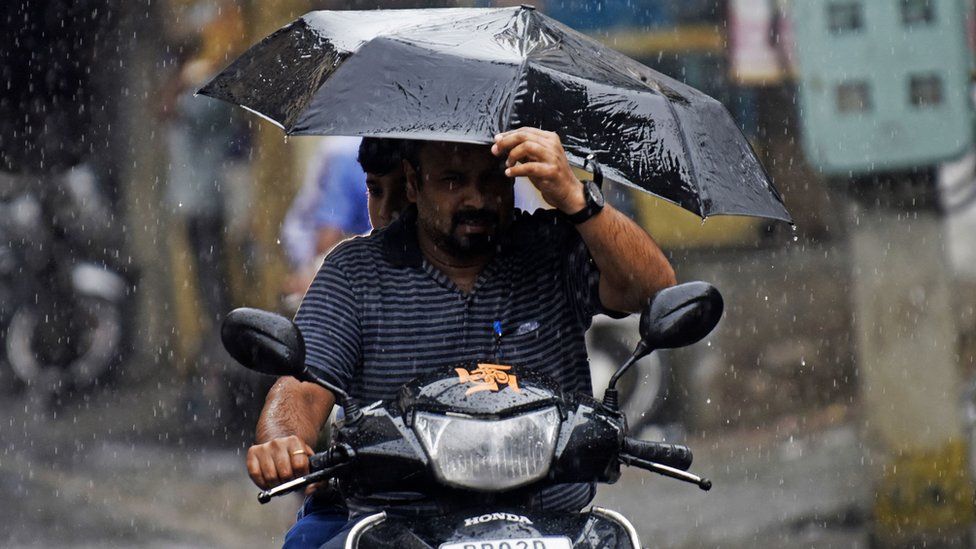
468 74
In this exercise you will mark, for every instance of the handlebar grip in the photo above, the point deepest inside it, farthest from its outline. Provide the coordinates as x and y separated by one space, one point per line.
319 461
672 455
334 456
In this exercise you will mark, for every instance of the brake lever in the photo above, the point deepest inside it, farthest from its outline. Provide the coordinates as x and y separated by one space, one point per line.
676 474
265 495
327 462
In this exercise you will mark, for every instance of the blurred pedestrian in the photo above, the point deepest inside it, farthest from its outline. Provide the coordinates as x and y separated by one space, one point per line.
198 140
200 143
356 184
330 207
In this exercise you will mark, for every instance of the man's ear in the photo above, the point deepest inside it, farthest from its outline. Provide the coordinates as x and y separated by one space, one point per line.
412 179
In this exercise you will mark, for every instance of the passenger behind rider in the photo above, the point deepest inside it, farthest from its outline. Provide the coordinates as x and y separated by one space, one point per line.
386 189
459 251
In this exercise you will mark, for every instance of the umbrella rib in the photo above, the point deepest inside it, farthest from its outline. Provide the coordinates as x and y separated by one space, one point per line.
508 123
510 107
264 116
693 175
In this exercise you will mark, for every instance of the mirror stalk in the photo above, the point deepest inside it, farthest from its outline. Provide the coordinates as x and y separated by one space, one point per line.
349 406
610 396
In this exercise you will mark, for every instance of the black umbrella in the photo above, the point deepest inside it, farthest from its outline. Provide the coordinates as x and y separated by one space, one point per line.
466 74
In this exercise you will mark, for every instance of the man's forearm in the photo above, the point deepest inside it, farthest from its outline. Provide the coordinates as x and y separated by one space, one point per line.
632 266
294 408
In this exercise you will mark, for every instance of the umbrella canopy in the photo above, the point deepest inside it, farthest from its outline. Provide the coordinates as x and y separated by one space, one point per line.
466 74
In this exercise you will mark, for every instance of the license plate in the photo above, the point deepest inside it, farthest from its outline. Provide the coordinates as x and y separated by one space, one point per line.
516 543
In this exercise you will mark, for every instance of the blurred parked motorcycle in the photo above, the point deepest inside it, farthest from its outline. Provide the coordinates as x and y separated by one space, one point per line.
66 295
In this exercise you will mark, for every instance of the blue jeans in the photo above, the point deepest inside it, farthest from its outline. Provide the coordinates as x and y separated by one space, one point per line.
338 540
318 522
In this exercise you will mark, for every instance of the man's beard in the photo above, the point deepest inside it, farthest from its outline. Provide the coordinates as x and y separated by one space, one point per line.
467 245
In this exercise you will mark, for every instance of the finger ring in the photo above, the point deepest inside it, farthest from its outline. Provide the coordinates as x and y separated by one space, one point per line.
298 452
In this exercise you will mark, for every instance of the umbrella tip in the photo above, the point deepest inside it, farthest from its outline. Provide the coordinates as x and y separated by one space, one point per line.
528 7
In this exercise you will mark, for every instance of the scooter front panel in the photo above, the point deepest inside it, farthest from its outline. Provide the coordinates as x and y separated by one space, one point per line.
504 529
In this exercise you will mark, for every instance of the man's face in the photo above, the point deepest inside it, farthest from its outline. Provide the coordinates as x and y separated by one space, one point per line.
464 200
386 196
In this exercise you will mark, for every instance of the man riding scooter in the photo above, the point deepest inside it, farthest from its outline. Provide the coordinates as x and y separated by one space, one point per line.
460 274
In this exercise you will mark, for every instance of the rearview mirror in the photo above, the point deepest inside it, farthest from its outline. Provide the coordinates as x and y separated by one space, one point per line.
264 342
675 317
680 315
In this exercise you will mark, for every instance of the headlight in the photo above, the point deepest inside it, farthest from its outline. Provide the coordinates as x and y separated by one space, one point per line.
489 455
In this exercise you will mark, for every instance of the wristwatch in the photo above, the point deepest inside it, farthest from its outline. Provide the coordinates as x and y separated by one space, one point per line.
594 203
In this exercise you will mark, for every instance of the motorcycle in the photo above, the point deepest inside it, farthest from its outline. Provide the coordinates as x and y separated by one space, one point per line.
67 300
479 440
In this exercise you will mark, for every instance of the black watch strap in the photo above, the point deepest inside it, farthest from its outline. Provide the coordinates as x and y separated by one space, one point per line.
583 215
594 204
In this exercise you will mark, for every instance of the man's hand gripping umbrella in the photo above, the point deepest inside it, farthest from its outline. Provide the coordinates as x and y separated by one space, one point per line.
632 266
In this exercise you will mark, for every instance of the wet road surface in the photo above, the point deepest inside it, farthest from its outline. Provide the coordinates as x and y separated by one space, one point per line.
769 491
118 469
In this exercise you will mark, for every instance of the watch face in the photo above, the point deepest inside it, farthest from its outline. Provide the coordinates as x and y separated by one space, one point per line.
595 194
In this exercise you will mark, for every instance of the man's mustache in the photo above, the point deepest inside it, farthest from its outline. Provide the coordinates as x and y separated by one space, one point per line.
475 216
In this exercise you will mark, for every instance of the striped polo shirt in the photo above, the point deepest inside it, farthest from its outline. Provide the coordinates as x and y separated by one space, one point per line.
378 314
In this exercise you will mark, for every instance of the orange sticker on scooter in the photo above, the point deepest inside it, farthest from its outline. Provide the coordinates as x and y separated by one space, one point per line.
488 377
